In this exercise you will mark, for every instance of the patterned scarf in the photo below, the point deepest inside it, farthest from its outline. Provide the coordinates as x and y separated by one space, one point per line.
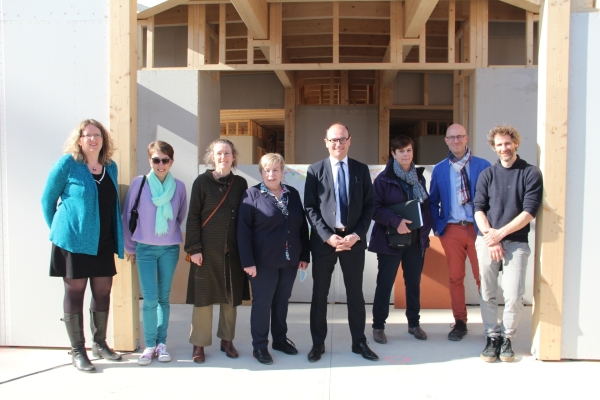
282 204
462 185
162 193
412 179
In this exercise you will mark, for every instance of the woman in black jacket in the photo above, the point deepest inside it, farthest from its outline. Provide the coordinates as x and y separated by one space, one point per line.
273 243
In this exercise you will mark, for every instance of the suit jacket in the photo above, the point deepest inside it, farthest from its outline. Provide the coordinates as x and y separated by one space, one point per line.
263 230
439 191
320 204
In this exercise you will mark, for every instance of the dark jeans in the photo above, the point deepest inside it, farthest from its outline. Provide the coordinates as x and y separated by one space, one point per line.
271 292
412 266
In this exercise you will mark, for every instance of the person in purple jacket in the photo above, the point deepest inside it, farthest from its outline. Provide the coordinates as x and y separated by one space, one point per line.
273 242
154 246
400 181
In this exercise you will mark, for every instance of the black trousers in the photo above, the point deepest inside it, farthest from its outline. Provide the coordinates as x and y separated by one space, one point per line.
271 292
412 267
353 265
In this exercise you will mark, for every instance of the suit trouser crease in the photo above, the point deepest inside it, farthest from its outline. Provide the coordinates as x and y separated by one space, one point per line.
514 269
352 265
156 268
271 292
458 243
412 267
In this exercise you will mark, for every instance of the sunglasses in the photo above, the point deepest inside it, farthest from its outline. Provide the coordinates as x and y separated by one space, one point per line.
157 161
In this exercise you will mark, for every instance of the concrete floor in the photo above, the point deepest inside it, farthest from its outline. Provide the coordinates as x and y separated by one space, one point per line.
408 368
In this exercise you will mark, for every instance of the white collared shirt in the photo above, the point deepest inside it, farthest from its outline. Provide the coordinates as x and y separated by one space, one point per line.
334 170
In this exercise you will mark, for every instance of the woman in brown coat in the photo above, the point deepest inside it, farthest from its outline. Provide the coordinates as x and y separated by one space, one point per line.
216 275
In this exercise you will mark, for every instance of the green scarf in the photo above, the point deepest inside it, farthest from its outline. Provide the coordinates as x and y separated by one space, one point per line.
162 193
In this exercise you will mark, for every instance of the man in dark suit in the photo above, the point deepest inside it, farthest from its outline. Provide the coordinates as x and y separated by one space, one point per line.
339 203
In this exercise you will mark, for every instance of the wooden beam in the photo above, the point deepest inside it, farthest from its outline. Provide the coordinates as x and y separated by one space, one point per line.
222 32
196 36
290 126
416 14
394 50
276 54
150 43
437 107
456 98
344 88
122 126
336 32
165 5
529 38
331 88
385 101
250 48
422 46
140 46
451 30
441 66
255 15
529 5
553 95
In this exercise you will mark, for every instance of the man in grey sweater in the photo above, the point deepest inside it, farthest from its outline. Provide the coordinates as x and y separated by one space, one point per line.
507 199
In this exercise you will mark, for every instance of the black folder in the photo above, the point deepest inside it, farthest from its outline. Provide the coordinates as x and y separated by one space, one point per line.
410 210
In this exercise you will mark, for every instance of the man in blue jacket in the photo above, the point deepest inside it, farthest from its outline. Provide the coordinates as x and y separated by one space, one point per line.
452 191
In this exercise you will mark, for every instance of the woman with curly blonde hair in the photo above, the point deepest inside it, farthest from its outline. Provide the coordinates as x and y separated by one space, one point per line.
81 207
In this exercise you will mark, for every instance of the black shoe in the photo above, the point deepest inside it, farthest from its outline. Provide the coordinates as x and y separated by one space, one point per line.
288 347
506 352
492 349
459 330
263 356
98 324
315 352
79 357
364 350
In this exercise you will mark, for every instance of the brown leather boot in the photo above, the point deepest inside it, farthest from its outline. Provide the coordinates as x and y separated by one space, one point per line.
198 355
227 347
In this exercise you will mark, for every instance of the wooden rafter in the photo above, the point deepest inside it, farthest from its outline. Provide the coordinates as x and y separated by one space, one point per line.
255 15
416 14
529 5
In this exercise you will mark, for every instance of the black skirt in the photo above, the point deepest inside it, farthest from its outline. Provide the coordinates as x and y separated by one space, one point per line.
65 264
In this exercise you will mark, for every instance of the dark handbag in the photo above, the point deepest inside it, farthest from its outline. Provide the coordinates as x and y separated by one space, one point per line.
134 212
397 240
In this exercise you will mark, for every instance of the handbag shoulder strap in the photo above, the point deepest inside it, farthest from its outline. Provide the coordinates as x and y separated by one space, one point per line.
219 205
137 200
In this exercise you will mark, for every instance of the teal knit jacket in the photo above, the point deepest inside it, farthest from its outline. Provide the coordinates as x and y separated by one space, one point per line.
75 221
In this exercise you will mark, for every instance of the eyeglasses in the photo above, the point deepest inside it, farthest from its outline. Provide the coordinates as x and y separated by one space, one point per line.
457 137
339 141
157 161
96 136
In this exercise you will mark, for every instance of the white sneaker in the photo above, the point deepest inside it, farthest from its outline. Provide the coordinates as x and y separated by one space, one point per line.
147 355
162 353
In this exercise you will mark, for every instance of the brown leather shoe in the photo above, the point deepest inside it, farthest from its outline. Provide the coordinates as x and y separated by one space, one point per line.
227 347
418 333
198 355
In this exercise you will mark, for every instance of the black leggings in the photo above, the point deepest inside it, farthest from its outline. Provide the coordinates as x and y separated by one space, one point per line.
75 290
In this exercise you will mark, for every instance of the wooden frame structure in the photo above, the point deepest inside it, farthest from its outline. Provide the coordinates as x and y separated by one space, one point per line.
328 41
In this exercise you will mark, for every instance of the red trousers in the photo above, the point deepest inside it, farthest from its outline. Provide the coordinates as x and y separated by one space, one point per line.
458 242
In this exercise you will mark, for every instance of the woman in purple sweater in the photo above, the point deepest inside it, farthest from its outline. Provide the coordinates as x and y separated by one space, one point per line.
154 246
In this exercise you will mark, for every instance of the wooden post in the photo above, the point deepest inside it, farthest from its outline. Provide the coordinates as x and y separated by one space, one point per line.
150 43
222 33
385 102
336 32
553 90
344 88
290 126
451 28
123 124
529 38
250 48
196 35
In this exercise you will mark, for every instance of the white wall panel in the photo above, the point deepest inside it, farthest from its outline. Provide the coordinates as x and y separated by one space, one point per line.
55 73
581 304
